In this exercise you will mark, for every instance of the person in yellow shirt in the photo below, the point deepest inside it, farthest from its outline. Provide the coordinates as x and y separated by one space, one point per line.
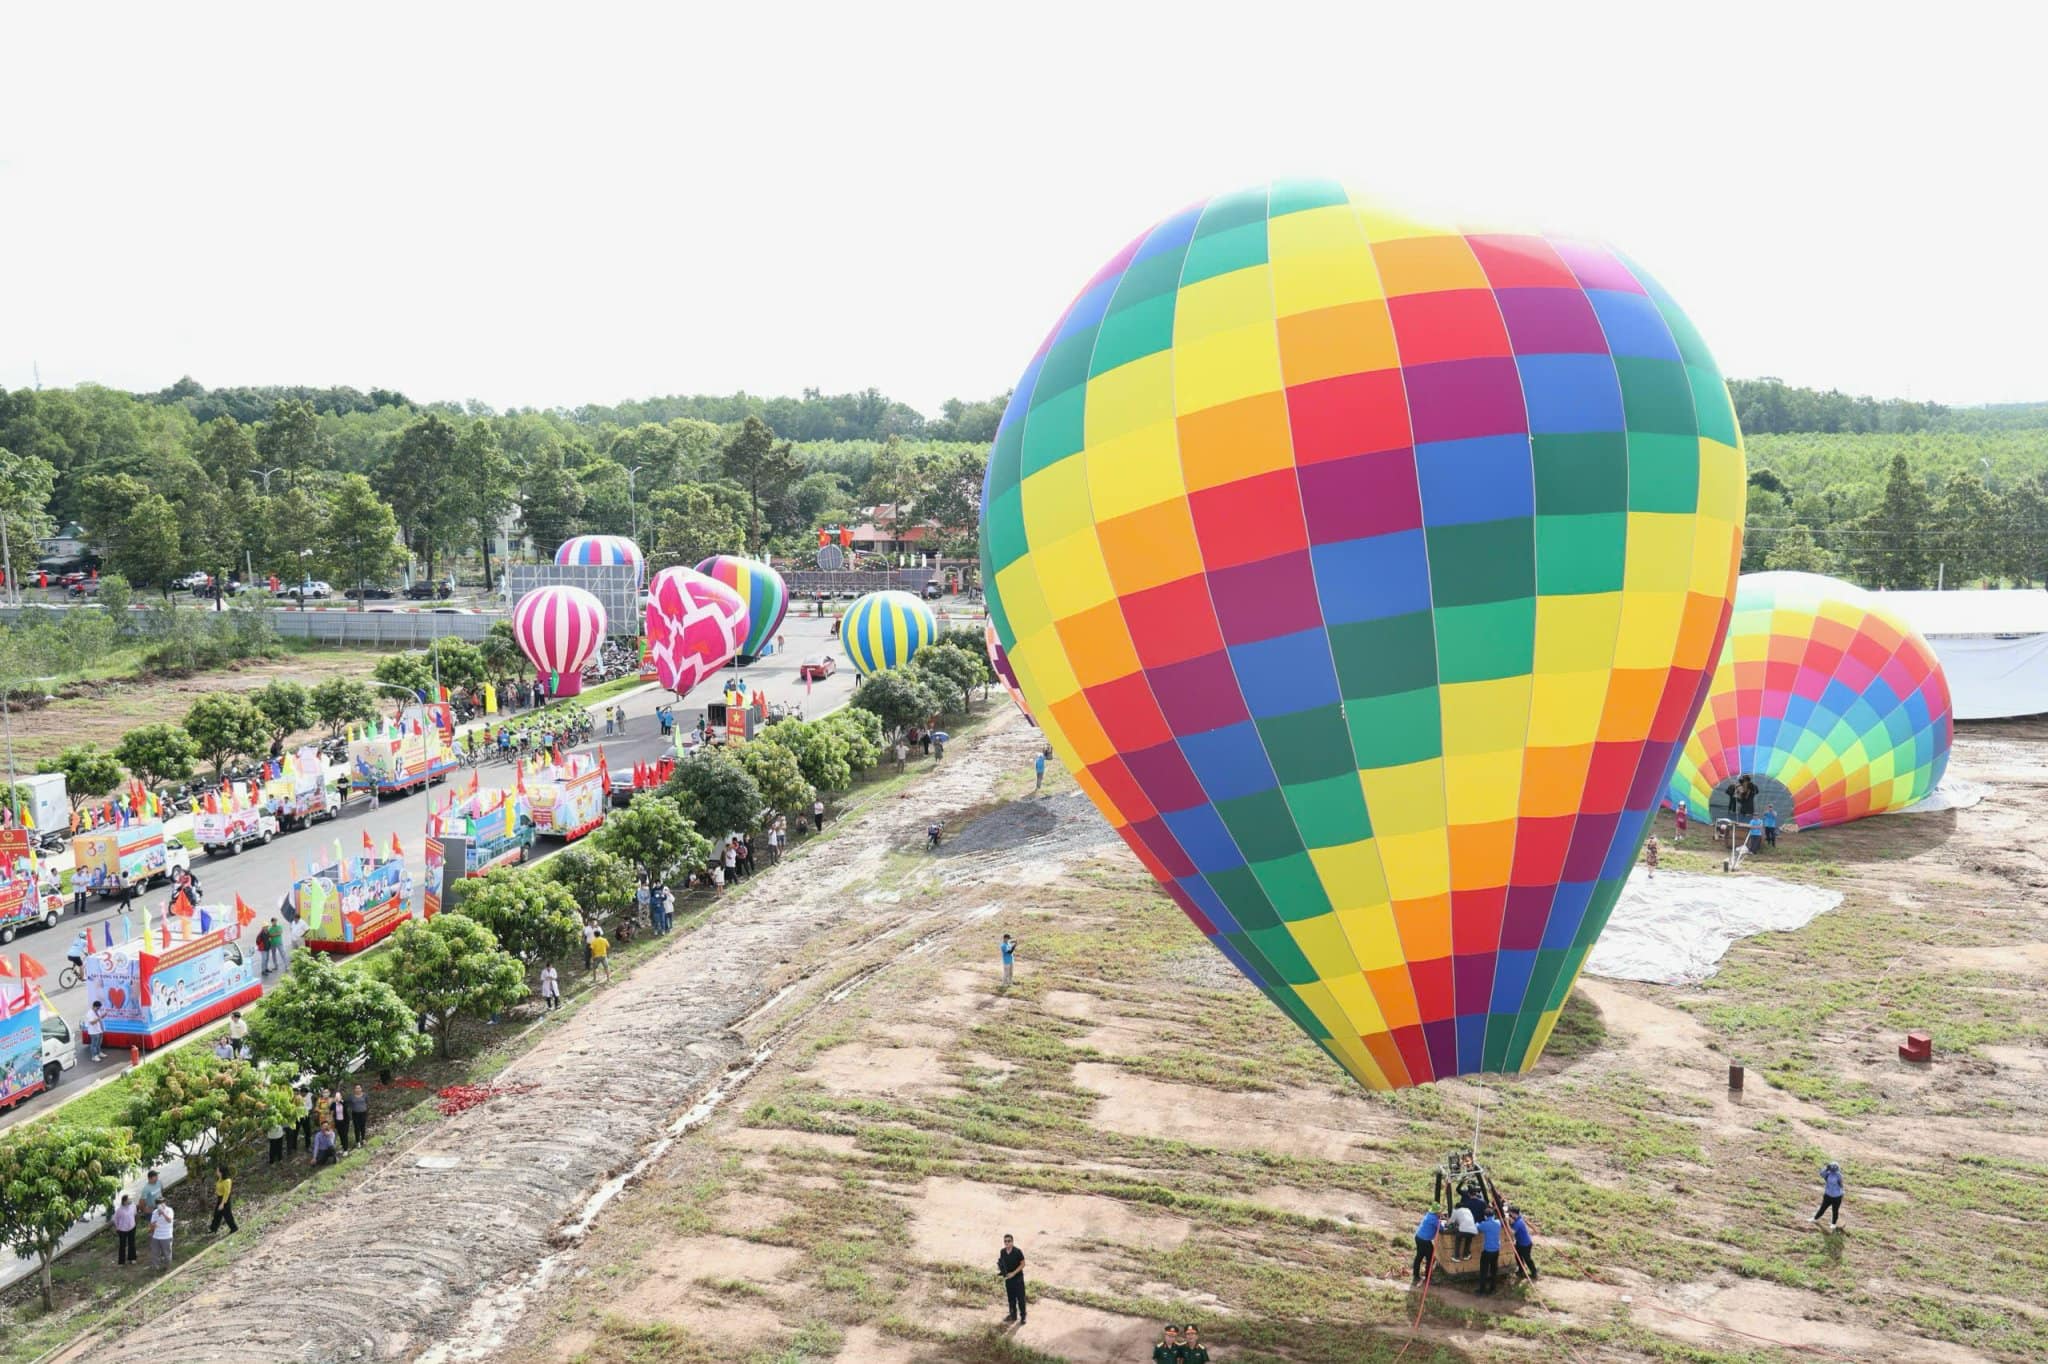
601 955
223 1200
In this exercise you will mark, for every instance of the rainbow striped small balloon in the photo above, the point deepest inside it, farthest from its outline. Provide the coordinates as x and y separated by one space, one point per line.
602 549
1826 693
764 592
883 629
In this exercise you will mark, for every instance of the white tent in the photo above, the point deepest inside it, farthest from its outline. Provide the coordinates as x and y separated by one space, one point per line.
1993 645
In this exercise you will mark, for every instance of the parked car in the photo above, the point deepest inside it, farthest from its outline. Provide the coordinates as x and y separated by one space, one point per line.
817 668
310 590
369 594
430 591
931 591
453 611
194 582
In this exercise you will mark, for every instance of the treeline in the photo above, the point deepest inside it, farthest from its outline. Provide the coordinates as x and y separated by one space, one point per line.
327 482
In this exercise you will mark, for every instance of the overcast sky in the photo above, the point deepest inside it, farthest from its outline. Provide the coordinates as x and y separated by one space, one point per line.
558 204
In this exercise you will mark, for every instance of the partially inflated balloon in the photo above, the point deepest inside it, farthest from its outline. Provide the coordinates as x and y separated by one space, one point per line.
559 628
765 594
999 660
1367 574
883 629
694 627
1834 704
602 549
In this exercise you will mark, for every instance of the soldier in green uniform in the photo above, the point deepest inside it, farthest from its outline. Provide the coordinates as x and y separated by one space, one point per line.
1169 1350
1192 1351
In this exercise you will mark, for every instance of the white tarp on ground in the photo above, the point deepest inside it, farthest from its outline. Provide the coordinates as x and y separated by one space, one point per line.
1954 793
1674 928
1993 645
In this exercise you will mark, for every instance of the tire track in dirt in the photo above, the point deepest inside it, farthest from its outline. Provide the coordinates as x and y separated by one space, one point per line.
389 1265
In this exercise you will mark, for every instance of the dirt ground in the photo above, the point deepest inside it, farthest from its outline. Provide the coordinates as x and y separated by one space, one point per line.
101 712
798 1135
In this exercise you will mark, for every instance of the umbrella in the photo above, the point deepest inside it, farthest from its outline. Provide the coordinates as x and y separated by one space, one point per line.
941 737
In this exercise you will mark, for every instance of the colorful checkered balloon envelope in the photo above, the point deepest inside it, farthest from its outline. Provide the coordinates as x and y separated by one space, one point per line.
1823 690
765 594
1367 574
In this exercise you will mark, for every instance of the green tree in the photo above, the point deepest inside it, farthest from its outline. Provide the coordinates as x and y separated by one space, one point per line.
450 966
689 526
484 475
896 697
534 918
820 750
191 1100
763 466
776 775
652 835
321 1018
1794 550
598 882
26 482
286 705
1966 532
52 1176
158 753
409 670
862 732
226 451
341 701
291 439
2023 521
715 794
950 673
116 596
549 496
1895 551
88 773
358 539
225 726
503 661
151 543
419 477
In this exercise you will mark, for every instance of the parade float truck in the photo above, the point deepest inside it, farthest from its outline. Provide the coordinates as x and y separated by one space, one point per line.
169 981
568 798
122 860
496 829
224 833
35 1050
28 894
299 795
413 752
354 902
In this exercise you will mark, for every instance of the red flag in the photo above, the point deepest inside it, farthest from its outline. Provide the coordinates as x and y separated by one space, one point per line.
167 935
396 850
368 846
243 914
473 780
89 948
519 781
31 969
181 904
5 969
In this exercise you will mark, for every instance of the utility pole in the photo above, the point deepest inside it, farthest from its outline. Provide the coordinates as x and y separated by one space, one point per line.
7 567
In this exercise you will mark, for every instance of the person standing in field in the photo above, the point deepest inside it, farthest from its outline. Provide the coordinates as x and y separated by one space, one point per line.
550 988
359 1113
818 815
1831 1195
601 956
1770 826
1489 1253
124 1229
1681 817
1010 1264
1525 1242
1192 1351
223 1201
1038 770
1009 958
1425 1247
161 1224
1650 856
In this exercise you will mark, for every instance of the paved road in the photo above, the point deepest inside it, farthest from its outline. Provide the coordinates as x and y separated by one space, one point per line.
262 876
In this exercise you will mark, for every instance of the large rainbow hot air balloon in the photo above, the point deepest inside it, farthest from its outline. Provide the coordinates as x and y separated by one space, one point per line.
1367 574
883 629
602 549
559 628
765 594
1831 703
695 625
1005 674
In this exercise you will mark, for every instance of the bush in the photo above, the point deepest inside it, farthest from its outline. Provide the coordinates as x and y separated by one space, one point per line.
896 697
715 794
532 917
862 731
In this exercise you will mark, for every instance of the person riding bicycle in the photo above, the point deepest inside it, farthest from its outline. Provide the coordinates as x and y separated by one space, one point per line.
76 954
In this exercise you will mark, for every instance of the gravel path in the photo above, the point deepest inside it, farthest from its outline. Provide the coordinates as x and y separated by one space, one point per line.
388 1267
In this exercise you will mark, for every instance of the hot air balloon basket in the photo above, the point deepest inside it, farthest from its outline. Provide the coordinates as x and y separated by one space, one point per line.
1460 1178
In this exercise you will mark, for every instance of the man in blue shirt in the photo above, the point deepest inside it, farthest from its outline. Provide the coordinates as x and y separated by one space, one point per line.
1425 1246
1489 1253
1009 957
1771 826
1525 1243
1038 765
1831 1195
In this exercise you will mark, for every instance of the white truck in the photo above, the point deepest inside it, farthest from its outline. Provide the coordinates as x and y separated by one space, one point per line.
227 832
36 1048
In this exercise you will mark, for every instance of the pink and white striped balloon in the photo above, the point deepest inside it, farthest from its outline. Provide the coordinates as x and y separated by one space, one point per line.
695 626
559 628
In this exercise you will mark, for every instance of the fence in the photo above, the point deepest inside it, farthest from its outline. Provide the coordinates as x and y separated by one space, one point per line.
807 582
335 626
616 587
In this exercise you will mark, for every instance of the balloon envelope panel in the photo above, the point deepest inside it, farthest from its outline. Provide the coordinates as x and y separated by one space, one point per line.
883 629
602 549
1368 574
999 660
1824 689
765 594
559 628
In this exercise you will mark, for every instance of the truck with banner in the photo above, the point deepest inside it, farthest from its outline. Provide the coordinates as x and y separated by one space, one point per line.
350 903
121 860
297 793
36 1048
568 797
395 756
496 828
171 979
232 818
28 887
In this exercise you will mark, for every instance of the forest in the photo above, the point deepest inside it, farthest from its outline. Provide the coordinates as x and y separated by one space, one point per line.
359 487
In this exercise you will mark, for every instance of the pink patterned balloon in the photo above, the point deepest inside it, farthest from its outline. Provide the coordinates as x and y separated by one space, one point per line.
559 628
1006 675
695 626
